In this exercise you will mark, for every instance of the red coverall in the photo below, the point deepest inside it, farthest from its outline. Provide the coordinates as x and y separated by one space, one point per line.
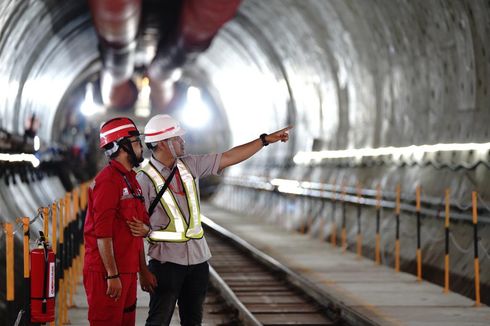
112 201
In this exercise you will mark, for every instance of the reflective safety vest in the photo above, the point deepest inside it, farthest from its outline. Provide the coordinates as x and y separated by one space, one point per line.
177 229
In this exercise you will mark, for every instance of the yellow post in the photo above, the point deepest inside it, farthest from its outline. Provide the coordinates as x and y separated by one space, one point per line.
71 276
46 222
359 234
61 298
61 303
419 250
333 237
321 232
26 285
344 231
10 272
9 230
83 195
25 223
62 220
76 202
446 256
54 230
65 303
397 237
68 207
474 200
378 236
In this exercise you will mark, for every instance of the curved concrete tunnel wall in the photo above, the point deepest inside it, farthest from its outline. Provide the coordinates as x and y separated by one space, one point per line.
346 74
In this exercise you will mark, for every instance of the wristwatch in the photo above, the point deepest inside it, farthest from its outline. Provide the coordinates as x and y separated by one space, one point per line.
107 277
262 139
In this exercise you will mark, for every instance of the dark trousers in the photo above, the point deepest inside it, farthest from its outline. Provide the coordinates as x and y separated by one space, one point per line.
185 285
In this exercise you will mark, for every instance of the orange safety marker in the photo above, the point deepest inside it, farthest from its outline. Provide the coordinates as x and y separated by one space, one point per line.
378 215
27 269
321 232
67 270
397 236
419 251
61 291
82 194
54 230
62 220
303 225
359 233
475 241
446 257
9 230
68 208
71 280
46 222
333 233
25 224
310 221
76 202
9 265
344 231
65 304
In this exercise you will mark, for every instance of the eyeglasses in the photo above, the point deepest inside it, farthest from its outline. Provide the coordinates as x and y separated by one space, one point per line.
179 139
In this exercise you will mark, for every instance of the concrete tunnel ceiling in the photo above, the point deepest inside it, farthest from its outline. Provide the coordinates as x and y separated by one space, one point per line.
347 74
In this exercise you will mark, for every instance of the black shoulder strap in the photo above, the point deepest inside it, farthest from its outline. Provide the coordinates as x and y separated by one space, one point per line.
160 193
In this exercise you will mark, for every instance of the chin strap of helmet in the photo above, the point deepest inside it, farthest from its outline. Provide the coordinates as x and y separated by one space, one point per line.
133 159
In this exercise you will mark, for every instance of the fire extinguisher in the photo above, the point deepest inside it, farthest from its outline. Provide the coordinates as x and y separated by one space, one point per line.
42 282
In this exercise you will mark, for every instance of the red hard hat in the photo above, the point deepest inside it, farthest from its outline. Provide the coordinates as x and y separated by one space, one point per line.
116 129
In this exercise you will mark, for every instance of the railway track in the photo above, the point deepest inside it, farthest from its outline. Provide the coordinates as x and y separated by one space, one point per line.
260 294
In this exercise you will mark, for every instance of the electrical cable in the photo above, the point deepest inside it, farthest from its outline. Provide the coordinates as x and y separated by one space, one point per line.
458 246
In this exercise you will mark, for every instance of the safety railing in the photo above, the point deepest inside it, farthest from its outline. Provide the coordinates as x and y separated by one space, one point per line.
341 194
62 227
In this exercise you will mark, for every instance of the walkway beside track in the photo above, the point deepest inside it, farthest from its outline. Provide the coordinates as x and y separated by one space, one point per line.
377 293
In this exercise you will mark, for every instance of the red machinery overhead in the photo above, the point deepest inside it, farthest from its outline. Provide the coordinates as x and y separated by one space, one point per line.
117 23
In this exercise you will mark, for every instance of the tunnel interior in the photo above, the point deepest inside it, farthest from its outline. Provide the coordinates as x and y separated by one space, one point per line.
380 94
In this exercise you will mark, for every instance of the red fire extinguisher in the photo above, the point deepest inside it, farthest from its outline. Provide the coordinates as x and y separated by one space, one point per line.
42 282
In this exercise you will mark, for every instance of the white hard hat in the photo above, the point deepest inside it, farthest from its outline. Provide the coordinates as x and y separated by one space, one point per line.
161 127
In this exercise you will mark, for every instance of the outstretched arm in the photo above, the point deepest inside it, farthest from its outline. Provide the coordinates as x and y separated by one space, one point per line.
241 153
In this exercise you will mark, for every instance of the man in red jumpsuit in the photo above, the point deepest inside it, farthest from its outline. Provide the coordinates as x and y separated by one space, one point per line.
112 254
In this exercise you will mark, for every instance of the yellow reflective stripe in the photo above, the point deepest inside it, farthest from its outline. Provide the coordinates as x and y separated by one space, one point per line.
168 202
177 221
165 236
195 229
191 193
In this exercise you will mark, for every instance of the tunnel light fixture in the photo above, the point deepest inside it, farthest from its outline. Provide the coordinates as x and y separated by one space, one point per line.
196 112
417 152
89 107
20 158
143 106
287 186
37 143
